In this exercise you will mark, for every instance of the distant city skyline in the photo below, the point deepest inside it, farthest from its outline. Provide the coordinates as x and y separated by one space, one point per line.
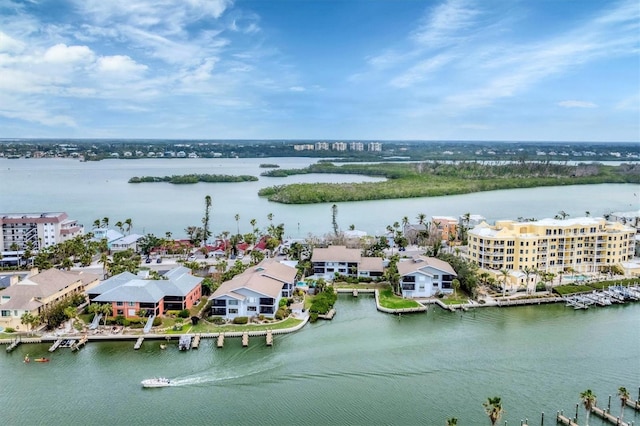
452 70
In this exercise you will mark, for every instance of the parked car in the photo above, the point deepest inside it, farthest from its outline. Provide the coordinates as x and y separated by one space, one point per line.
159 260
147 260
192 258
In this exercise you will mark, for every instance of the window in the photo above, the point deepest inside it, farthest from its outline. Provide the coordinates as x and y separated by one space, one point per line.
233 311
120 311
251 309
119 303
233 302
131 304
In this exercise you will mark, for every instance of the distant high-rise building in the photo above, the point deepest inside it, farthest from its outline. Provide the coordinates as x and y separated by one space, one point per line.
322 146
374 146
339 146
356 146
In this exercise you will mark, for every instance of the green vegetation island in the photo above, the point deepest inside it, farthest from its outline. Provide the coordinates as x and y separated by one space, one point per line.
193 178
430 179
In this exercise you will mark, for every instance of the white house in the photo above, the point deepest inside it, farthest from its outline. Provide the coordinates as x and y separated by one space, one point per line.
425 277
256 291
344 261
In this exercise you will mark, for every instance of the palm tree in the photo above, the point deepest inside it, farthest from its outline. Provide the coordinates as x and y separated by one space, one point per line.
129 224
96 223
105 222
27 319
421 217
71 312
588 398
237 218
452 421
455 283
106 310
623 393
504 274
205 219
493 408
528 271
120 226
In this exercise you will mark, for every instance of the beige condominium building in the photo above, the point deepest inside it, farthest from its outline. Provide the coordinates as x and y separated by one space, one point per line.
586 244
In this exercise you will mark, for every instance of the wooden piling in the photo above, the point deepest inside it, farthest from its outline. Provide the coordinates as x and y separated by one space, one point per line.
195 343
564 420
355 292
269 338
245 339
220 340
608 417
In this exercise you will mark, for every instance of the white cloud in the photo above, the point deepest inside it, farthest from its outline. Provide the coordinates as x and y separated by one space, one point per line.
63 54
576 104
120 66
297 89
446 24
420 71
10 44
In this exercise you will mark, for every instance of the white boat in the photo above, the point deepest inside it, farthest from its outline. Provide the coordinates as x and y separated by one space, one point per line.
156 382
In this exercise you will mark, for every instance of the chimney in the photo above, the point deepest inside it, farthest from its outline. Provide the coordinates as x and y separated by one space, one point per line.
32 272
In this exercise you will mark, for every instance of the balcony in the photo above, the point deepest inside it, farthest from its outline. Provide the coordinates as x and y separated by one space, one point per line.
219 302
219 311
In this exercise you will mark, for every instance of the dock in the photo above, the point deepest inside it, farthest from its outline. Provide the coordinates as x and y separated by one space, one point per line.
80 343
269 338
633 404
55 345
564 420
245 339
13 345
195 343
138 343
329 315
607 416
220 340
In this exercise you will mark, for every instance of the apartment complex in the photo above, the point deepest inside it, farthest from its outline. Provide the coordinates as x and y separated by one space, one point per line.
583 244
37 230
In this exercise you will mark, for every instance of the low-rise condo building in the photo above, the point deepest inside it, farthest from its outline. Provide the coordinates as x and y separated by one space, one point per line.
584 244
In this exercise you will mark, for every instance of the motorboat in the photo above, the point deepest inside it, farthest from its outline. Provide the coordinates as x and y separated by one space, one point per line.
41 360
156 382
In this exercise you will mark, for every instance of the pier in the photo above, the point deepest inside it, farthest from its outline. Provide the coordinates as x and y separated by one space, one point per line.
220 340
329 315
564 420
13 345
269 338
138 343
55 345
245 339
80 343
195 343
608 417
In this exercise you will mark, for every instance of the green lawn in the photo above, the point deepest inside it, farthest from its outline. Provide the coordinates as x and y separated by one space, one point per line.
390 301
203 327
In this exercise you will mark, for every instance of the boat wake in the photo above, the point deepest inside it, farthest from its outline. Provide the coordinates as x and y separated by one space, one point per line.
209 378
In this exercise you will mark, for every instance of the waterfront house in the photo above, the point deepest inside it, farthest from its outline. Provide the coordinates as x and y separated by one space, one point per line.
344 261
39 291
36 230
256 291
129 294
425 277
127 242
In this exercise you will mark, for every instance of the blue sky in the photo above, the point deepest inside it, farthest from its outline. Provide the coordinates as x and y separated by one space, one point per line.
548 70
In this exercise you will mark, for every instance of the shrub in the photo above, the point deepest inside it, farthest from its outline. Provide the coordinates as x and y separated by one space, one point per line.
9 330
282 313
217 320
283 302
313 317
157 321
184 313
241 320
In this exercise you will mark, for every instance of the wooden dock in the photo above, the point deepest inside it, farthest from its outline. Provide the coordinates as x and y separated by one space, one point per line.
607 416
564 420
55 345
269 338
633 404
195 343
220 340
329 315
80 343
138 343
13 345
245 339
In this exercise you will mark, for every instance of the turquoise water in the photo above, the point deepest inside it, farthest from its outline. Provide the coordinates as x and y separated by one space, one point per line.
362 368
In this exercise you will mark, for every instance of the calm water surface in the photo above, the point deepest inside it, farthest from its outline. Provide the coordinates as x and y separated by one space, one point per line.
93 190
362 368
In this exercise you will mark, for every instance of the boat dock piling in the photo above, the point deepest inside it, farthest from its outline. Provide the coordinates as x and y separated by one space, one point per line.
269 338
138 343
55 345
355 292
195 343
608 417
80 343
220 340
564 420
245 339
